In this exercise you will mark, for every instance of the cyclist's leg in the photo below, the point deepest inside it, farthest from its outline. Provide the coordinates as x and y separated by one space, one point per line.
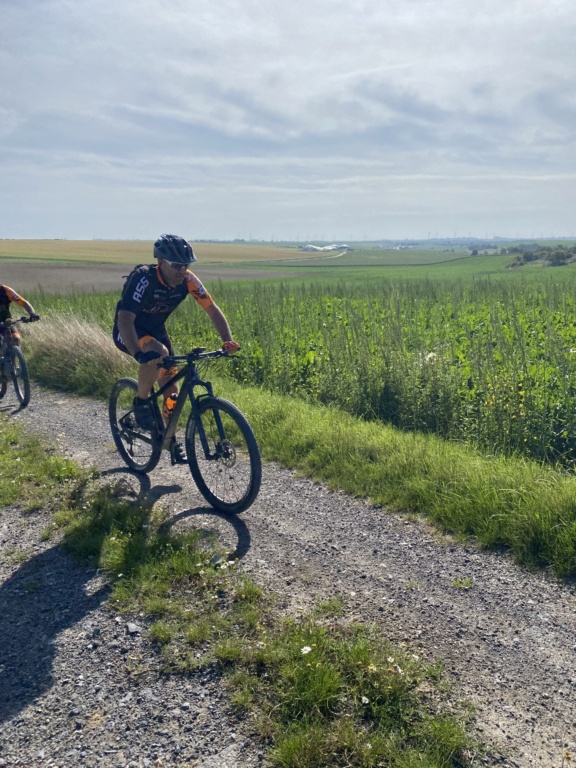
147 377
165 374
149 373
177 450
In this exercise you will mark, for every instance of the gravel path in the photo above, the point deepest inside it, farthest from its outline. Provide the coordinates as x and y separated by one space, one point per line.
78 686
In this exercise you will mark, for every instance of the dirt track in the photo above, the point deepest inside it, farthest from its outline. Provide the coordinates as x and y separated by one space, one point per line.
61 278
508 643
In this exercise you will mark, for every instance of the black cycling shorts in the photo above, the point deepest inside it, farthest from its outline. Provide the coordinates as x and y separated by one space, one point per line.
163 338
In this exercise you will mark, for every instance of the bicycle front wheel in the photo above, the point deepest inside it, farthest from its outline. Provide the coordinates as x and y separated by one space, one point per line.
139 448
19 372
228 469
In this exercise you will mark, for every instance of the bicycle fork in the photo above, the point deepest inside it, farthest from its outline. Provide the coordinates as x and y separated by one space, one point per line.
220 447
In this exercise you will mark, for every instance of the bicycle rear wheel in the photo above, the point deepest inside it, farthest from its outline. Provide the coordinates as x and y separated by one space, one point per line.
229 477
19 372
140 449
3 377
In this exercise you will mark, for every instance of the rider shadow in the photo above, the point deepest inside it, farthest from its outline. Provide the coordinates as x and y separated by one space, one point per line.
46 595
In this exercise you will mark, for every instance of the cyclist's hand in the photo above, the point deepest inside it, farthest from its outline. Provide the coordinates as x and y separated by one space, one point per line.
34 317
231 347
145 357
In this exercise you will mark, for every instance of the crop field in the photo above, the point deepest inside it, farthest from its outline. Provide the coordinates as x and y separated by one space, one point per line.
134 251
61 266
379 257
492 363
469 350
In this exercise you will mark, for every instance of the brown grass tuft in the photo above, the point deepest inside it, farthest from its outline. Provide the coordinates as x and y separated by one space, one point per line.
66 352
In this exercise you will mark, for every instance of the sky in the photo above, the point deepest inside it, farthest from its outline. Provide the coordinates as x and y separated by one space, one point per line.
301 120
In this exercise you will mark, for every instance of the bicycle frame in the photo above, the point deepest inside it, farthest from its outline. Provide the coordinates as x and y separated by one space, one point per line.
191 380
222 452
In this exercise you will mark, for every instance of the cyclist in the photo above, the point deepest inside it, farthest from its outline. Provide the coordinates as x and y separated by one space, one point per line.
7 297
150 294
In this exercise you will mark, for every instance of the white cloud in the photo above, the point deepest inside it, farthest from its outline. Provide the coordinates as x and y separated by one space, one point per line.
325 99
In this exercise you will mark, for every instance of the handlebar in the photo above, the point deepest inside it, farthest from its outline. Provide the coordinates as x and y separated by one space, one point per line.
10 321
198 353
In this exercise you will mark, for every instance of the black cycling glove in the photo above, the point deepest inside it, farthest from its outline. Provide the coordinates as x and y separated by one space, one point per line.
145 357
34 317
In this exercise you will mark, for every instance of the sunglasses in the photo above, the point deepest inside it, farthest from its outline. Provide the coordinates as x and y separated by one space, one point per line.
177 265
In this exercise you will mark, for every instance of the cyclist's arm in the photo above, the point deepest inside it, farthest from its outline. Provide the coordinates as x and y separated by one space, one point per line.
128 331
219 322
28 307
20 300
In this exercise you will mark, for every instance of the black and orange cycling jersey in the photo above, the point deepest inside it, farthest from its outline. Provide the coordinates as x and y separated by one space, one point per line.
7 296
152 301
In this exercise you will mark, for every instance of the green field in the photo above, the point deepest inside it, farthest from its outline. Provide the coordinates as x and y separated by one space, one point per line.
363 264
487 362
484 363
466 348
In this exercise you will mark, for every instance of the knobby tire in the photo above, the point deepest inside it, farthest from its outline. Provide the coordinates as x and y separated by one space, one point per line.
19 372
230 482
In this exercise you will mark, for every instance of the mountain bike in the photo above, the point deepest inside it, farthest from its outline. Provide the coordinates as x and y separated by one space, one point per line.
222 451
13 364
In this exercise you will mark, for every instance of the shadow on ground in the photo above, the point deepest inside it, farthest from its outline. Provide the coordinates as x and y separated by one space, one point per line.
241 529
42 598
50 592
148 495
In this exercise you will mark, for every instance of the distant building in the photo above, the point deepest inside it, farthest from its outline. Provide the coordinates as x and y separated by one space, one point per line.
333 247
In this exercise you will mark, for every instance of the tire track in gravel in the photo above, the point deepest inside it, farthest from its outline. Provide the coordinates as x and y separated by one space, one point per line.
508 643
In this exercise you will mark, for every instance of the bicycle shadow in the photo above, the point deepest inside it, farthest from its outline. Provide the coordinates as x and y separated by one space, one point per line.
44 596
149 494
240 528
50 593
12 408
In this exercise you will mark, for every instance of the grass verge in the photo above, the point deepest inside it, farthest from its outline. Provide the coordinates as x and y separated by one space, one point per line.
510 502
315 690
31 474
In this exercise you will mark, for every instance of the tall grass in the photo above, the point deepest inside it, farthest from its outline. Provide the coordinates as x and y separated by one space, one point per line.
492 364
69 353
513 502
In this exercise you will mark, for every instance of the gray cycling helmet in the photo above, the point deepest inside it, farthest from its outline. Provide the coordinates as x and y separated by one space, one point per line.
174 248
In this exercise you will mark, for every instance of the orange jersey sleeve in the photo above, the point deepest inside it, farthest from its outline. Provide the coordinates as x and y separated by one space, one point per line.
197 290
13 296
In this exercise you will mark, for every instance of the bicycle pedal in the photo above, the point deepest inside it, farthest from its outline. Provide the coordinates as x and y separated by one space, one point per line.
178 454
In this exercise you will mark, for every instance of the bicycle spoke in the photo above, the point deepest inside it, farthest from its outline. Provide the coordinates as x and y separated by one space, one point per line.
136 446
